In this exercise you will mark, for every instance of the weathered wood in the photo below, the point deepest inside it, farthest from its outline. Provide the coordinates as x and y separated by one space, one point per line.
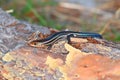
88 59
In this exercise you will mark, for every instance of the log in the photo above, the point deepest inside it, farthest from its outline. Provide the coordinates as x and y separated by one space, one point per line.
82 59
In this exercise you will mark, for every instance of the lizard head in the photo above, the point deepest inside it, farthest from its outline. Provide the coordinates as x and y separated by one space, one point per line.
36 44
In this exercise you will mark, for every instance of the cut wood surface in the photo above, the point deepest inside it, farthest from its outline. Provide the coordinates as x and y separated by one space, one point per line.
82 59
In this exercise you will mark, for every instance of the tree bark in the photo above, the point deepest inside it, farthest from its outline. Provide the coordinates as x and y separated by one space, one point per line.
83 59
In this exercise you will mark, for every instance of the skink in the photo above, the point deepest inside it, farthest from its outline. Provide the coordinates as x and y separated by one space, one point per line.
50 40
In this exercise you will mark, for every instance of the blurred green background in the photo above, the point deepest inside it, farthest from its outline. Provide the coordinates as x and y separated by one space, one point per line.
78 15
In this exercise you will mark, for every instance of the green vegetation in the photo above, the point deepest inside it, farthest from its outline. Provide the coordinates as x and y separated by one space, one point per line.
37 16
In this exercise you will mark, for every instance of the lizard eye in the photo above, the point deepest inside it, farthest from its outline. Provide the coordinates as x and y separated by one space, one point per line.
34 43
